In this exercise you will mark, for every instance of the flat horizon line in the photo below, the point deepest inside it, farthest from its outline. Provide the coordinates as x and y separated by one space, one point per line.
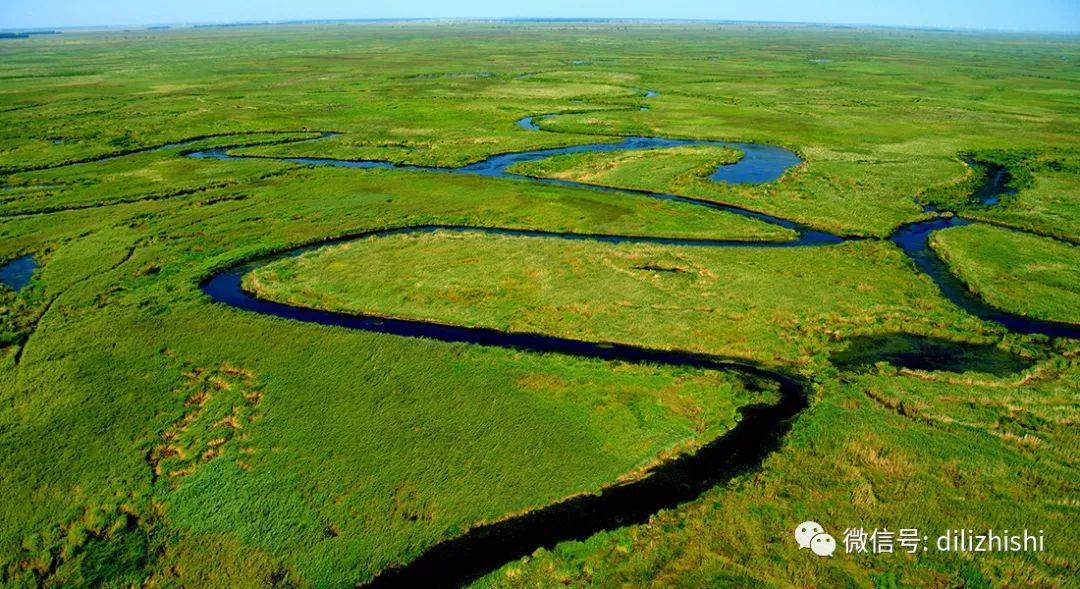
521 19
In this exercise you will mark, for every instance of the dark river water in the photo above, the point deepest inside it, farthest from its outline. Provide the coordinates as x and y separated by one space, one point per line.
16 273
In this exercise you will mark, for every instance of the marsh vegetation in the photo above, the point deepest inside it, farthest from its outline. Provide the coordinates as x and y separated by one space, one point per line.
151 436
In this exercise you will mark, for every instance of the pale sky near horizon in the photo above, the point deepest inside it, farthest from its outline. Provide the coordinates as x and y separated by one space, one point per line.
1015 15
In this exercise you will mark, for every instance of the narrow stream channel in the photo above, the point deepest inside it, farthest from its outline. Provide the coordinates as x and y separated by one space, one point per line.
457 561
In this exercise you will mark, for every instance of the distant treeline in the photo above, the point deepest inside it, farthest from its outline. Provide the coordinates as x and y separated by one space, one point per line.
233 24
27 34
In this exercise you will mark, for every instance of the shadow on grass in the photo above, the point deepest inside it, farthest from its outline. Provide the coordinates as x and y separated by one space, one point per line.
923 353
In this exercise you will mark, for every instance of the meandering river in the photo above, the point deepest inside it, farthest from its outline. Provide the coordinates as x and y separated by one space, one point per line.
459 560
761 429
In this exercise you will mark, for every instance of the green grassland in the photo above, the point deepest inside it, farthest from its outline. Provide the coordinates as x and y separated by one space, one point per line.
879 447
658 170
767 305
150 437
152 175
1043 182
1023 273
839 196
883 450
113 351
883 117
1047 207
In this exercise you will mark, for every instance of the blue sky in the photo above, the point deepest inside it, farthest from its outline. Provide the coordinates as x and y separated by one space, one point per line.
1031 15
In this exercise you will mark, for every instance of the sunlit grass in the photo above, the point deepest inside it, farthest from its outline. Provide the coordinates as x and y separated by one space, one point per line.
1022 273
